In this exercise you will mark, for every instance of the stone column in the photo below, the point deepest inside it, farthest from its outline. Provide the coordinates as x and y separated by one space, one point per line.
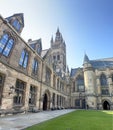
27 96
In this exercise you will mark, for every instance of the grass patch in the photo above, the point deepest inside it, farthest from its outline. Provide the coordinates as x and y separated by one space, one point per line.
79 120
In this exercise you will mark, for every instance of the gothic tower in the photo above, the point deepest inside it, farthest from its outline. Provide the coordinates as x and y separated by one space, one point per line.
90 84
58 53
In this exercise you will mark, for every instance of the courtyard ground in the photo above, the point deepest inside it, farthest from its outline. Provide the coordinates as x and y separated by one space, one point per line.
22 121
79 120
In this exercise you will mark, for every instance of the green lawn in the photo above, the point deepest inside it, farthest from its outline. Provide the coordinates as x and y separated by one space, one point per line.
79 120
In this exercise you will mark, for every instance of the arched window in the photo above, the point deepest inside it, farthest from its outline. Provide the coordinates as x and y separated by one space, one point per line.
6 44
35 66
24 58
103 80
48 76
80 83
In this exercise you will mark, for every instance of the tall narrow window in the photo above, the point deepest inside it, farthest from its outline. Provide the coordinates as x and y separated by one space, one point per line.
6 44
48 76
32 95
54 58
74 86
80 83
19 93
104 85
58 57
103 80
24 59
57 84
54 81
16 25
35 67
53 99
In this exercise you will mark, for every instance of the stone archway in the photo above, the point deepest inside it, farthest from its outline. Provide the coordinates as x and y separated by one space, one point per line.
106 105
46 100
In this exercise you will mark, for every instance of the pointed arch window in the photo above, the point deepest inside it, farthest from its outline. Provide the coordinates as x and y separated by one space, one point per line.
103 80
24 58
80 83
48 76
6 44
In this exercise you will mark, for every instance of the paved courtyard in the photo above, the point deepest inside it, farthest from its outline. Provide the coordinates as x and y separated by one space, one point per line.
22 121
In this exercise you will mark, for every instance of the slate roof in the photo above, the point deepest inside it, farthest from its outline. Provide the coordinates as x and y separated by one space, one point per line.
102 63
18 14
44 52
73 71
96 64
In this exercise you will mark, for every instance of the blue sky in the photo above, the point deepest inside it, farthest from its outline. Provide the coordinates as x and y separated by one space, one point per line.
86 25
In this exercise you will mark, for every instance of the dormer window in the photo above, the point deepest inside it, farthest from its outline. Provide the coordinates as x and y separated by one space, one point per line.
38 49
16 25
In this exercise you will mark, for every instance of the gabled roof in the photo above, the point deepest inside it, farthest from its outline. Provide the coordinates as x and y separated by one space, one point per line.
44 53
35 42
20 15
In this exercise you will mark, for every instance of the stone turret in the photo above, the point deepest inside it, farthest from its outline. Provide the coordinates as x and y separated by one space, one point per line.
90 83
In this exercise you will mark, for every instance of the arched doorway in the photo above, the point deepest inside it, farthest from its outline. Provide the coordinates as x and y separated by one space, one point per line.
45 101
106 105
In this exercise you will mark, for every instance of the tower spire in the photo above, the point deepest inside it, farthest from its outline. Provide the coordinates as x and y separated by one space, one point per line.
86 59
57 30
58 36
52 39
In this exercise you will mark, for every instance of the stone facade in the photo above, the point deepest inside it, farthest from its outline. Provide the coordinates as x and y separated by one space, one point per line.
96 90
34 79
27 78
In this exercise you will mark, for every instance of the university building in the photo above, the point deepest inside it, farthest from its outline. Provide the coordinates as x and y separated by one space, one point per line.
34 79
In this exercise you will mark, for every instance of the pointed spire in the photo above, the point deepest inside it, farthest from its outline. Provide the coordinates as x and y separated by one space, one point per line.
86 59
58 31
58 36
52 39
67 69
